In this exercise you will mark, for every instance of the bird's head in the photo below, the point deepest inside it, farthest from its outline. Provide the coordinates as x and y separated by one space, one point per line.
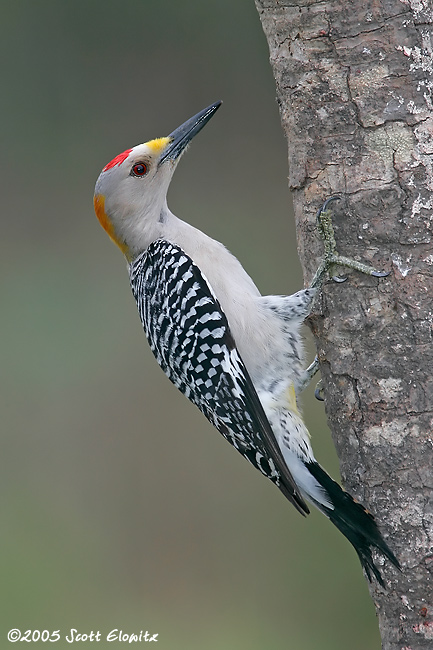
130 193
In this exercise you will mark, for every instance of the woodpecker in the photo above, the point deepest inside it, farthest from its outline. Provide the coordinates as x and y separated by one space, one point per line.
237 355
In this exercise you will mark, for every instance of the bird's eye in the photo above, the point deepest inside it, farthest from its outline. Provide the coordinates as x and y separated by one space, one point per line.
139 169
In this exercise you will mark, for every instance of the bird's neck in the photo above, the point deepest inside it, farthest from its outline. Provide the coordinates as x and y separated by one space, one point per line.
147 230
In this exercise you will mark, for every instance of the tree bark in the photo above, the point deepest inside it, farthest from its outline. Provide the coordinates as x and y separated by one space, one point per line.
354 85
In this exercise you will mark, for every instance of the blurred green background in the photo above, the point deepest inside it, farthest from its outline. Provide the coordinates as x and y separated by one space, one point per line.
121 506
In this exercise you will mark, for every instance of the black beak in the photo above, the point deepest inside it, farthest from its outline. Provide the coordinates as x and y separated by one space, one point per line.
183 135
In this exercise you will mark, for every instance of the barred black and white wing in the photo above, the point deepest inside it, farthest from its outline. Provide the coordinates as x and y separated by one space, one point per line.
190 337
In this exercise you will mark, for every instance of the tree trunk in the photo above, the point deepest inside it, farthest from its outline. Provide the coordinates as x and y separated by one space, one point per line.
354 84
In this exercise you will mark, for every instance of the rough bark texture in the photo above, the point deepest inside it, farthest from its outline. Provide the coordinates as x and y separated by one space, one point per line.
354 84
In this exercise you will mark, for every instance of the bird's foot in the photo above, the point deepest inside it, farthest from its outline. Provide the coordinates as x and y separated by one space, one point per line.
332 257
308 375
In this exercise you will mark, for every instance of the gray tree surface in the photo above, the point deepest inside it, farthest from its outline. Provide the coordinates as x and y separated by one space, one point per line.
354 85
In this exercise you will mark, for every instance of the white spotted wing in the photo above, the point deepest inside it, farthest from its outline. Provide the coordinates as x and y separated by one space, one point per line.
190 337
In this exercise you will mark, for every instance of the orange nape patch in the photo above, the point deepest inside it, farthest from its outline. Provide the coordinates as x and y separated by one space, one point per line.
104 220
158 145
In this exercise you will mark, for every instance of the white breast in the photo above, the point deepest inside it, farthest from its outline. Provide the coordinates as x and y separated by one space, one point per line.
257 330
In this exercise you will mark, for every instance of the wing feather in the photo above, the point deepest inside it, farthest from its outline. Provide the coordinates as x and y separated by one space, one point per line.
189 335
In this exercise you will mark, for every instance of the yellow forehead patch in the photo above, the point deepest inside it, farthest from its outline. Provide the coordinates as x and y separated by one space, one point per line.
157 145
104 220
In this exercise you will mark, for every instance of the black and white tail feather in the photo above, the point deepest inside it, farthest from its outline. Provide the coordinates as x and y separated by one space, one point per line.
190 337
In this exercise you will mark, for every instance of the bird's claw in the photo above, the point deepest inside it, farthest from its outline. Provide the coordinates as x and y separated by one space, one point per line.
325 206
380 274
318 391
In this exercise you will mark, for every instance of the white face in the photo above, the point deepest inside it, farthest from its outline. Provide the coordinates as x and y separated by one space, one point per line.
130 194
